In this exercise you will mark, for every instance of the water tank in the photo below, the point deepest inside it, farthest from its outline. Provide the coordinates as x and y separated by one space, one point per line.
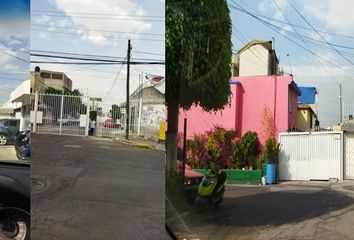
270 173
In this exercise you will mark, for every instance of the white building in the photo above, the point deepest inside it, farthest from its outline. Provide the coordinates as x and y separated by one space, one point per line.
256 58
18 105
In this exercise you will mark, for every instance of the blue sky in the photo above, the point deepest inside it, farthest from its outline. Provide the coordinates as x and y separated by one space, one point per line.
333 18
88 27
14 45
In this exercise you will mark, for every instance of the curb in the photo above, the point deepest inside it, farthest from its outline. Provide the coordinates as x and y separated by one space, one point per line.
133 143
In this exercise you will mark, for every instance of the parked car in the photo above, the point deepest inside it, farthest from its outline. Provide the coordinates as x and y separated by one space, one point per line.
109 123
192 180
15 187
69 121
8 130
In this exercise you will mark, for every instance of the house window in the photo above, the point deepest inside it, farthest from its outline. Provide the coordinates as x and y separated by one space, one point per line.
45 74
290 100
57 76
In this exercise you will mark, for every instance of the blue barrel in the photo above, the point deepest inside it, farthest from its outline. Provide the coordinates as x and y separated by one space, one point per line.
270 173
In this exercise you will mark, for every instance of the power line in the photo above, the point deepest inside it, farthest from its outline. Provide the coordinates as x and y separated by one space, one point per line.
101 63
98 14
111 37
87 59
318 33
101 17
269 25
99 30
149 53
26 61
76 54
293 25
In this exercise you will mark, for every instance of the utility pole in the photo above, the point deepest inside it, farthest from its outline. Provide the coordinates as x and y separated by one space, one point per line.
127 100
341 104
275 85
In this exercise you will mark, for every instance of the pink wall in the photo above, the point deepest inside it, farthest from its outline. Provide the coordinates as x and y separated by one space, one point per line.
199 121
250 97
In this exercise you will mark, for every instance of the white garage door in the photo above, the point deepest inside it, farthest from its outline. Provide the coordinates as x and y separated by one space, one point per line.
315 156
349 156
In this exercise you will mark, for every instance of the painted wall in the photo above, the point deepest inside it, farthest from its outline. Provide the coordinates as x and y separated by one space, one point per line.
254 61
199 121
250 97
303 120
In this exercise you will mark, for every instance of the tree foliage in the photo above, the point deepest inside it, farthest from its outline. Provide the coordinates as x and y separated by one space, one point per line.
198 53
115 112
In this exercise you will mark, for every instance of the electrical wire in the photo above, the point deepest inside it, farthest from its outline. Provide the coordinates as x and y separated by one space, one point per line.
99 30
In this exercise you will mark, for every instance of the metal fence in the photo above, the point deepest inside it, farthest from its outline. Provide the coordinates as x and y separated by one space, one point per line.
60 114
114 125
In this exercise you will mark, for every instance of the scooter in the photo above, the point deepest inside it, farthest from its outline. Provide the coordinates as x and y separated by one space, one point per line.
211 189
22 145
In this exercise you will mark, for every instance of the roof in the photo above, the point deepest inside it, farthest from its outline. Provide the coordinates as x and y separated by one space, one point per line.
305 106
308 95
147 84
234 81
294 86
266 44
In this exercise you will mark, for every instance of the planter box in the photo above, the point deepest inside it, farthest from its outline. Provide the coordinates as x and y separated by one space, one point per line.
239 176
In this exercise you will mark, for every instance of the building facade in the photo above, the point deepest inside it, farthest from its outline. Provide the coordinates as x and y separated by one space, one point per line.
42 79
251 98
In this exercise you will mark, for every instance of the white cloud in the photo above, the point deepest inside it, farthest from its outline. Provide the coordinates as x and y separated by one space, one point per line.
123 9
42 35
337 15
42 19
268 5
14 42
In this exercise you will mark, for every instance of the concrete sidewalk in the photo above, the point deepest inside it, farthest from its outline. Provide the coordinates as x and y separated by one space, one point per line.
141 143
7 152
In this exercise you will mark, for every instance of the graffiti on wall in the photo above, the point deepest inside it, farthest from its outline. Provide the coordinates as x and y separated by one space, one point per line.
152 116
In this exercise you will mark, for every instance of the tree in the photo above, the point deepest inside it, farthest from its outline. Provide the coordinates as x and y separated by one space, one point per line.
51 90
198 60
115 112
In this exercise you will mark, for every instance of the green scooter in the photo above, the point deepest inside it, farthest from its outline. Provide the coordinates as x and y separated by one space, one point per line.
211 189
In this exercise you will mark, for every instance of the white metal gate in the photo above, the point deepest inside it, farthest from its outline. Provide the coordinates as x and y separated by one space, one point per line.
311 156
60 114
114 124
349 155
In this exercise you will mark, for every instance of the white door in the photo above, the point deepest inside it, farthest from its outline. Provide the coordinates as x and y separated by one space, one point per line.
349 156
293 159
315 156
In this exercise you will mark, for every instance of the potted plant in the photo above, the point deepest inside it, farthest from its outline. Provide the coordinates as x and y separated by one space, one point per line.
270 156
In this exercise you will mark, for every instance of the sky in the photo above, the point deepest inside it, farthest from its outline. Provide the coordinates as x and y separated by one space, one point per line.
320 55
14 45
100 28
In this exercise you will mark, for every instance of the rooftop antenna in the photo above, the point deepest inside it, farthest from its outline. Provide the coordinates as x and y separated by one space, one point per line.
291 71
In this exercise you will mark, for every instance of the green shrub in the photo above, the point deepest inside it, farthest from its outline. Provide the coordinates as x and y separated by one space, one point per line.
270 152
219 141
246 151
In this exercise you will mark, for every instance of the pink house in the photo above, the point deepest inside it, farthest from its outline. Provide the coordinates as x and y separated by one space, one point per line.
245 111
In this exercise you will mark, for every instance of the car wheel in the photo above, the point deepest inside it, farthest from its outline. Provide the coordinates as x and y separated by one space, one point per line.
14 224
3 139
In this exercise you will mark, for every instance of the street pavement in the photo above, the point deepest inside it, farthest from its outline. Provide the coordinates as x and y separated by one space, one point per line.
94 188
7 152
293 210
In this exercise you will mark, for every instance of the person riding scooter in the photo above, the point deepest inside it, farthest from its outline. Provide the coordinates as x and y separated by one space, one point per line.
22 145
211 189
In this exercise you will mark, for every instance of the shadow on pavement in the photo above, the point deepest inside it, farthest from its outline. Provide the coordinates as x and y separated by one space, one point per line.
271 208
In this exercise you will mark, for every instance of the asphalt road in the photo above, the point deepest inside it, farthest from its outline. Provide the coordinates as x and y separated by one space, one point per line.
286 211
90 188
